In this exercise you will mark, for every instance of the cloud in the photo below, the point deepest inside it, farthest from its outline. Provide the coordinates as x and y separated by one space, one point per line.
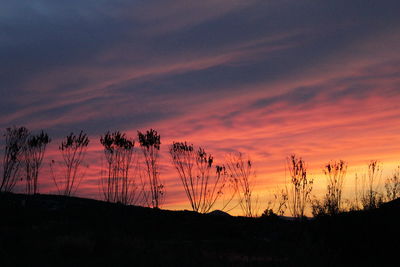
268 78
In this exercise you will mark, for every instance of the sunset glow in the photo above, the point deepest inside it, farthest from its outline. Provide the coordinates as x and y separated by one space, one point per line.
319 79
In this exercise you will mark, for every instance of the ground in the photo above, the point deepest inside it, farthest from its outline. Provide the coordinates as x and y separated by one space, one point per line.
47 230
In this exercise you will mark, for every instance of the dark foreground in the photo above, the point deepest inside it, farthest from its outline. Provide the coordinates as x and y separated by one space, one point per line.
46 230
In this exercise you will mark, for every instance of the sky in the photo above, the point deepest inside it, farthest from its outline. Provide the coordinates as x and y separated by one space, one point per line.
268 78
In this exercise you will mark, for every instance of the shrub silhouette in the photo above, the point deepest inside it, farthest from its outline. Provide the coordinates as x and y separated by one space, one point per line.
73 149
335 173
150 144
15 141
301 186
392 185
118 186
269 213
242 178
194 166
369 196
279 202
33 154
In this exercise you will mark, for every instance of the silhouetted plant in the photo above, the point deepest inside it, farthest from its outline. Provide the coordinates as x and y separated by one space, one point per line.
202 187
242 178
282 198
278 203
15 140
73 149
335 173
318 207
299 193
351 204
33 155
119 186
150 144
269 213
370 197
392 185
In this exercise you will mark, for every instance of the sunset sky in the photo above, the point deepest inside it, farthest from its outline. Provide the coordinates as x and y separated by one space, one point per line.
320 79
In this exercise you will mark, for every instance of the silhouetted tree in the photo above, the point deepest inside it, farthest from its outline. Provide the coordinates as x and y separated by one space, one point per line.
242 179
15 140
202 186
33 155
392 185
299 193
73 149
119 186
150 144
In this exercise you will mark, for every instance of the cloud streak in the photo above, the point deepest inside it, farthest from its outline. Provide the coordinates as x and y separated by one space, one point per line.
268 78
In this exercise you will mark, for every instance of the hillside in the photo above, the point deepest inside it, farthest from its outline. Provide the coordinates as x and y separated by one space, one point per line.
48 230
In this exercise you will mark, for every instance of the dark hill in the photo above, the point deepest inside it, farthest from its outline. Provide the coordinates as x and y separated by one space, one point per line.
47 230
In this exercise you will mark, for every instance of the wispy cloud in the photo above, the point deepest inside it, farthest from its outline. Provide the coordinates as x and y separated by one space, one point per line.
268 78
